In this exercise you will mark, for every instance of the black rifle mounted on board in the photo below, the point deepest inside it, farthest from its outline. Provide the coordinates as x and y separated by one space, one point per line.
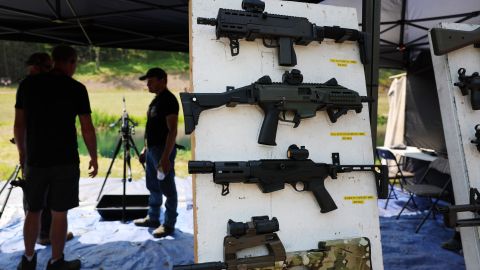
299 171
303 99
242 235
278 31
471 83
447 40
450 212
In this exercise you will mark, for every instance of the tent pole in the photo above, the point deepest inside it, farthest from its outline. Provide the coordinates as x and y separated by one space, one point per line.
371 25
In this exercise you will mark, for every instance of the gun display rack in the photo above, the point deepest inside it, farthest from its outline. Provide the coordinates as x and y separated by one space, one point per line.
232 132
455 52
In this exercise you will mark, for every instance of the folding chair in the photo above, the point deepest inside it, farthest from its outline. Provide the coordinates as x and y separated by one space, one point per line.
395 172
430 190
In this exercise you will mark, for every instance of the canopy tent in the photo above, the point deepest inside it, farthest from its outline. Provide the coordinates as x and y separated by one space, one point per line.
163 24
404 24
414 117
138 24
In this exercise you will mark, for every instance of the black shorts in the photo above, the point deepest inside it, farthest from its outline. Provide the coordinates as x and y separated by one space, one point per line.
53 187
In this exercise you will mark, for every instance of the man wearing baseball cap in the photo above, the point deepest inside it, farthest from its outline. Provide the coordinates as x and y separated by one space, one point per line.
159 154
38 62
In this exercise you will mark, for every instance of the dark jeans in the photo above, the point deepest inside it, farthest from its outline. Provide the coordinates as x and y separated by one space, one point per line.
159 188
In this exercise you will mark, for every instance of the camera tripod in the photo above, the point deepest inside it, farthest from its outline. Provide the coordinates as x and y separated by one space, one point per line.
125 140
14 181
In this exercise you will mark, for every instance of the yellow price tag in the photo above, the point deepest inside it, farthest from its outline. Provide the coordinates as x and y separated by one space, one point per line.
347 136
343 62
358 199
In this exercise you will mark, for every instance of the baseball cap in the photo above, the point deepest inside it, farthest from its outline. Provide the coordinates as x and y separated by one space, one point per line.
154 72
38 59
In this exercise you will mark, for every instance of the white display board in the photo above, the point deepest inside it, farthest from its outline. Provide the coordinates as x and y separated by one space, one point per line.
230 134
459 121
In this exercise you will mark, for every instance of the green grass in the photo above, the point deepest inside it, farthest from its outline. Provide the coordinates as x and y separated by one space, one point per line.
7 101
382 102
8 153
383 106
172 62
107 107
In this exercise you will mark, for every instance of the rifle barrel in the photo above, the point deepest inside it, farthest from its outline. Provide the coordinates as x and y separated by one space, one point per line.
207 21
200 167
201 266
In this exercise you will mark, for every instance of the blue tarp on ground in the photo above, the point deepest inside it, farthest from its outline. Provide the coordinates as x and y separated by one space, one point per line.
113 245
104 244
404 249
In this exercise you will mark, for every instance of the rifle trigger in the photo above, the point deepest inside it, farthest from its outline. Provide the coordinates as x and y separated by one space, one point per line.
296 120
234 47
269 45
225 189
284 117
299 186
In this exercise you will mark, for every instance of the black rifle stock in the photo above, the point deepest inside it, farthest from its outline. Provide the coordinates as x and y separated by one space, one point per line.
301 173
275 99
447 40
278 31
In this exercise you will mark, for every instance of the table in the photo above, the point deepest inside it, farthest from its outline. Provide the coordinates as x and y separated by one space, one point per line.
410 152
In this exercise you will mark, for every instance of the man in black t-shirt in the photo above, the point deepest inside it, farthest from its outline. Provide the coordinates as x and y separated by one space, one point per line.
38 63
45 112
159 154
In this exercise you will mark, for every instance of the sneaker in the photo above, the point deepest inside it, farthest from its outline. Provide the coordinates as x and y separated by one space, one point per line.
61 264
452 245
28 265
146 222
163 231
45 241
